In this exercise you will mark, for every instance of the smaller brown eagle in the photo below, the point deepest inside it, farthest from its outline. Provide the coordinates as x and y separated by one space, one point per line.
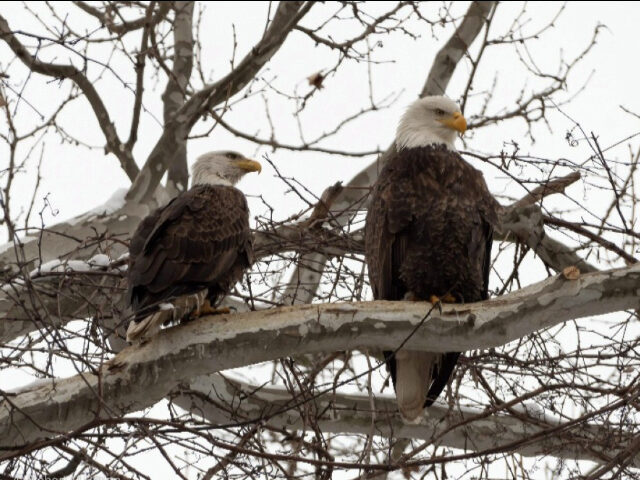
184 256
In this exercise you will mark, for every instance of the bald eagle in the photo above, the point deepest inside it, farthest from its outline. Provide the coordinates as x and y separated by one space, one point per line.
428 236
184 256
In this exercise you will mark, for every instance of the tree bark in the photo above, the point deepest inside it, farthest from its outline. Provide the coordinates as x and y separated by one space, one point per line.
140 376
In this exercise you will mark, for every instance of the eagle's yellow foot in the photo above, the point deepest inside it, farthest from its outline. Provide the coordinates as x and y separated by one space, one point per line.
207 309
220 311
438 301
448 298
435 301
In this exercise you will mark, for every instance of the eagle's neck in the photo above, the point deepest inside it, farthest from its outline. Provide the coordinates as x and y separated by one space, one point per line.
413 135
417 139
207 177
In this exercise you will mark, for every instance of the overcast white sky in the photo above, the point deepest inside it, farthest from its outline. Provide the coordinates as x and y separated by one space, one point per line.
78 178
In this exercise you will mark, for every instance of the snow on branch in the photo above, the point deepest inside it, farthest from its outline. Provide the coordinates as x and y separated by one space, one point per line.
139 377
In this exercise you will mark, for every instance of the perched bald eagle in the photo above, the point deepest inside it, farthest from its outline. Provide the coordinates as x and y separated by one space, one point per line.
184 256
428 236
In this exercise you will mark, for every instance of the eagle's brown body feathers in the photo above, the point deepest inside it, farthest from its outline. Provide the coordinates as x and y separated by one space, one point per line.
428 232
200 240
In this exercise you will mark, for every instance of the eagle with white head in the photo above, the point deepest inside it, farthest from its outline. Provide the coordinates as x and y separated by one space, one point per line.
186 255
428 236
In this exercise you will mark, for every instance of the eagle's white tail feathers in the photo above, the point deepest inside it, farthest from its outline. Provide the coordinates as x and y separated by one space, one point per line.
151 325
413 375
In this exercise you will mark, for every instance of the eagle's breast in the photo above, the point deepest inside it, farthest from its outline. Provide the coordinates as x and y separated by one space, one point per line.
431 216
201 239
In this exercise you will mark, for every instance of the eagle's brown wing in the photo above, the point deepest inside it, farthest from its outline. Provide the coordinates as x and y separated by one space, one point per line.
199 240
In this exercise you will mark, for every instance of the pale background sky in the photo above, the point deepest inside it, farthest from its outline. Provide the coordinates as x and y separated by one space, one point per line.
79 178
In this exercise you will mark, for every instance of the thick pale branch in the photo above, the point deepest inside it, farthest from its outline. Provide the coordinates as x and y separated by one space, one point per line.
556 185
53 299
138 377
175 93
19 314
176 131
56 70
114 219
80 238
452 52
225 401
527 225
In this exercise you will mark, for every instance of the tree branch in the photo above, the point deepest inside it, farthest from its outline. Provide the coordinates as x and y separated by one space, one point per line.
452 52
138 377
63 297
176 131
56 70
174 95
527 225
125 26
222 400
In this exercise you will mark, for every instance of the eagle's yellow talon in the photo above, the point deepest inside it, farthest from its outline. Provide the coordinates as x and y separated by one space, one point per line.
207 309
448 298
435 301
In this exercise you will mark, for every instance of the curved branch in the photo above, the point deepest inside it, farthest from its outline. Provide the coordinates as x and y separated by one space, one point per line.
56 70
57 297
452 52
222 400
127 25
176 131
138 377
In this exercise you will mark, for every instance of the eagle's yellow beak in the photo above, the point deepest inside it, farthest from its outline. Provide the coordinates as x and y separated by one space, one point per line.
456 122
248 165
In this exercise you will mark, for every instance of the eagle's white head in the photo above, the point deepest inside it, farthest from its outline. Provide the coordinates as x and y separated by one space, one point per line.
430 121
222 168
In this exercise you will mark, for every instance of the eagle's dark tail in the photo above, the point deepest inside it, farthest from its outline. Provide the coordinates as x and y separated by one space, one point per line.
441 376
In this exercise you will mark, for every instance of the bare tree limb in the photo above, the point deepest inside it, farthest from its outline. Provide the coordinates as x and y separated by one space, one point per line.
64 295
56 70
556 185
452 52
174 95
224 401
125 26
176 131
138 377
527 224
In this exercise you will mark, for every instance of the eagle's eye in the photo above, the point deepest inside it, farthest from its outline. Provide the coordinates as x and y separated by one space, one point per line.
439 112
232 156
